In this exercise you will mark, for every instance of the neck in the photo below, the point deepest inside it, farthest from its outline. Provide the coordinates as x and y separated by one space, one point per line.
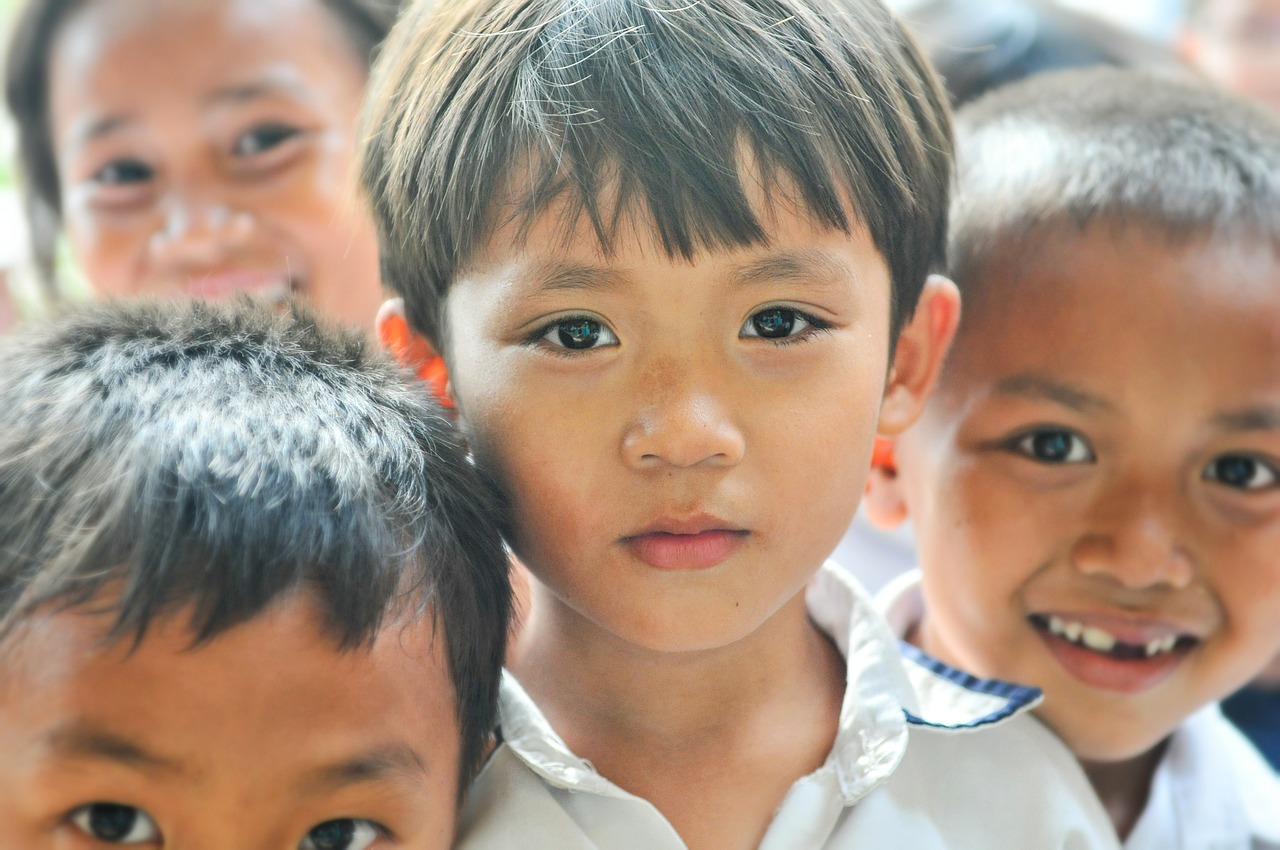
714 738
1123 786
596 687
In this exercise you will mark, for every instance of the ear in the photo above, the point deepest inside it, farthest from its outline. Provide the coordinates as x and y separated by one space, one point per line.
883 502
413 350
922 346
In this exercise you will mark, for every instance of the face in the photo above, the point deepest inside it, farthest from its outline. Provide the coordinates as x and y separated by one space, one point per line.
206 147
1095 487
684 442
1237 44
266 737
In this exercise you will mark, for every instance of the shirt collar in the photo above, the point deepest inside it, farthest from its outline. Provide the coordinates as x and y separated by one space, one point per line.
948 698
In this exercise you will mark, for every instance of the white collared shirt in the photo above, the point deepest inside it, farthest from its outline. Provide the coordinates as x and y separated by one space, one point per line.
1211 791
923 758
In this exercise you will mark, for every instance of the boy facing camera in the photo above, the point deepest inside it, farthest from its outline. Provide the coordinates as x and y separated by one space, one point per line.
1095 485
251 592
671 262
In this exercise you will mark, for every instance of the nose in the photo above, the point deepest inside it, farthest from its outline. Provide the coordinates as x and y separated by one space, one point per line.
196 233
1132 538
682 424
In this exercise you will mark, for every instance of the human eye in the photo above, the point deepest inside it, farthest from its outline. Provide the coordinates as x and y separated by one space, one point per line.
342 834
1054 446
1241 472
575 333
262 138
123 172
781 324
115 824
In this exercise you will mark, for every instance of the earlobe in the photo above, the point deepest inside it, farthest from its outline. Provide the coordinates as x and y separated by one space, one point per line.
413 350
922 347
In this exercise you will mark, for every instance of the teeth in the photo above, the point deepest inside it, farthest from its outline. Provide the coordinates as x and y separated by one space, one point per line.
1097 639
1101 640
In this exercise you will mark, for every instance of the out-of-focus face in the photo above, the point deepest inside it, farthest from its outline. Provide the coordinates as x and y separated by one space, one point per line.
1236 43
684 442
207 146
1095 486
265 738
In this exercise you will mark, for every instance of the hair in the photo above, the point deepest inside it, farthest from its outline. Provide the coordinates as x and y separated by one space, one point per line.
658 107
31 41
1071 148
212 459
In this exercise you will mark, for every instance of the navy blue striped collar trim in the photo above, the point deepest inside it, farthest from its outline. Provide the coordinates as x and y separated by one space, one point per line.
1015 697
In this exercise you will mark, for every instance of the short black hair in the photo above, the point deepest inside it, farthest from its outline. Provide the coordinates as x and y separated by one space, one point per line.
1070 148
366 23
648 106
214 458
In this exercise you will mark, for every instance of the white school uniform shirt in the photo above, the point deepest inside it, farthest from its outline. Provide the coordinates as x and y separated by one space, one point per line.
1211 791
939 765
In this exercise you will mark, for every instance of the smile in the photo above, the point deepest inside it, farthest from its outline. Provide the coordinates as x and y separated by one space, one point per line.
1100 640
1128 658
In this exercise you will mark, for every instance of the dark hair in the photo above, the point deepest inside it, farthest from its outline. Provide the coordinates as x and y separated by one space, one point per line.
1070 148
650 103
37 24
214 458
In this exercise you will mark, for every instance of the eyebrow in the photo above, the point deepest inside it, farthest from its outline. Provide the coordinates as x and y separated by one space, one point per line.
1040 387
1262 418
803 266
255 91
395 759
571 277
82 740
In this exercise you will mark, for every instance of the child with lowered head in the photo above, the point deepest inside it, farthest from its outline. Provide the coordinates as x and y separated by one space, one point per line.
672 262
251 592
1095 485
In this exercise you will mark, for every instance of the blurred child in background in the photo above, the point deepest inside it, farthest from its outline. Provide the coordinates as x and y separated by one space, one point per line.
199 148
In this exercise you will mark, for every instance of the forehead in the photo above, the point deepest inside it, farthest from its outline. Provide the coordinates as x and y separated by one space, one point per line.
117 50
272 696
1075 301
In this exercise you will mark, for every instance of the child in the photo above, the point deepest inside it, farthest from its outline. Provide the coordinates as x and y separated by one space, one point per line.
1095 486
664 255
199 147
1235 43
251 592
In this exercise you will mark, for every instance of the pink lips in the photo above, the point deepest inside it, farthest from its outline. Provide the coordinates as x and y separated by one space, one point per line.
697 544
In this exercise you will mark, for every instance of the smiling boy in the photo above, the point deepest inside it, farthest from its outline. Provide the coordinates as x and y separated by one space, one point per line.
252 595
671 259
1095 486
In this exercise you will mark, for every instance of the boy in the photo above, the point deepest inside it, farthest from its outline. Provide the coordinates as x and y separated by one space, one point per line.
660 256
251 592
1095 485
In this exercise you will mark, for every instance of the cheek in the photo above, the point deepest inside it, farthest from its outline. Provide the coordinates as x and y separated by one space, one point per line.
108 254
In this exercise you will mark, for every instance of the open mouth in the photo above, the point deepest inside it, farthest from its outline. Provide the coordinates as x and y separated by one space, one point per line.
1099 640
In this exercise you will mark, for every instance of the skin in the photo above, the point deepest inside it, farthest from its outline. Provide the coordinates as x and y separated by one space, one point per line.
1236 43
1105 446
213 752
682 418
237 173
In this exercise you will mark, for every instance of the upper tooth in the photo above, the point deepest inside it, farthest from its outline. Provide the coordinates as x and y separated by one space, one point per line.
1073 631
1056 626
1154 645
1168 643
1097 639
